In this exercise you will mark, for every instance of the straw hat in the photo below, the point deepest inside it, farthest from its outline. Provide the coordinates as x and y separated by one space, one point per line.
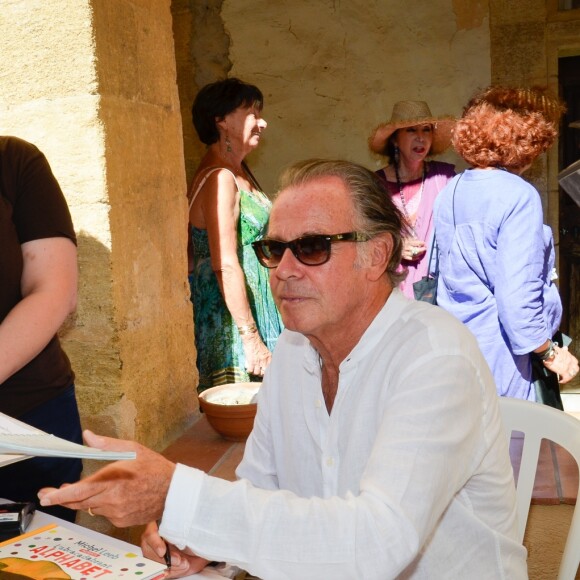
409 114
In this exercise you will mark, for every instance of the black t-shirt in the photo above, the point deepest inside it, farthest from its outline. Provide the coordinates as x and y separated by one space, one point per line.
32 207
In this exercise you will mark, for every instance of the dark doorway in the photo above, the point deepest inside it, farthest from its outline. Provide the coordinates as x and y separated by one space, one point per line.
569 270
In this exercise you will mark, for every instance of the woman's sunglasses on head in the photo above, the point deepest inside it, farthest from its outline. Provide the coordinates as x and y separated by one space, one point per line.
313 250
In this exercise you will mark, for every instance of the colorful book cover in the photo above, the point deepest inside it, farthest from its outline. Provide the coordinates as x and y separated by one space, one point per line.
57 553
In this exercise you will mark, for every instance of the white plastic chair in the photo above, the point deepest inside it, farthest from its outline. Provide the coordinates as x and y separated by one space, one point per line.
537 422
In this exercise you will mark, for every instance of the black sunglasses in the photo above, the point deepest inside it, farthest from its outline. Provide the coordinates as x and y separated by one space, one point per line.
311 250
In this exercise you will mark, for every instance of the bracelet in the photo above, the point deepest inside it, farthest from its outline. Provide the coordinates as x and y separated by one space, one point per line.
549 353
247 329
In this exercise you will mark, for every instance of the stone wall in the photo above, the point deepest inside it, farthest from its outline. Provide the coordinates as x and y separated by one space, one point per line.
331 71
93 84
527 38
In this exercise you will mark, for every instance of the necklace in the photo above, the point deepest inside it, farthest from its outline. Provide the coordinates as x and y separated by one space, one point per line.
402 195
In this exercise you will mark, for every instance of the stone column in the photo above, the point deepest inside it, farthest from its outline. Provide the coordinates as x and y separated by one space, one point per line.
93 84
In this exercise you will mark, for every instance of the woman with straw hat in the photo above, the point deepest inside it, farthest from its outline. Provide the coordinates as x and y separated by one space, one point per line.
407 139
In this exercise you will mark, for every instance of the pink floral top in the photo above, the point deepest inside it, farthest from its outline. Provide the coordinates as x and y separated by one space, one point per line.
420 212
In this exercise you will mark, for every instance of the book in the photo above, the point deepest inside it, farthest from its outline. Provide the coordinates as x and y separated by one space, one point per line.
19 441
55 552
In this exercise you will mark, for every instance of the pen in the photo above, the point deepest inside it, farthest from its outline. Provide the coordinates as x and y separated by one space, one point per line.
167 555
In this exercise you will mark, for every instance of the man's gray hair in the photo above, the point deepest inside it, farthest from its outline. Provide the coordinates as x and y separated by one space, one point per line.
375 213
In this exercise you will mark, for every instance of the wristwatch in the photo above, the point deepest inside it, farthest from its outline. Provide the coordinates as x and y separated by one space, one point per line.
549 354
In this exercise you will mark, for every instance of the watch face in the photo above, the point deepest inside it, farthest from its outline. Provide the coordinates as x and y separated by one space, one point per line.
550 354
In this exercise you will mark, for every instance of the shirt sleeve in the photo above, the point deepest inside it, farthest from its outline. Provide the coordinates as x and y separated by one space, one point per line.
519 275
40 208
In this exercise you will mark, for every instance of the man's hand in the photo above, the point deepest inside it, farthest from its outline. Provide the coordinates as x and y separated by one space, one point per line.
127 493
183 563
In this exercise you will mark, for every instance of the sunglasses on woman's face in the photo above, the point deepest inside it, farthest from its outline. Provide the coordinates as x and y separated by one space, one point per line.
311 250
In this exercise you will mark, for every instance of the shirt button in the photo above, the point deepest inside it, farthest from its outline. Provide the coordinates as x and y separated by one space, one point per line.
329 461
318 403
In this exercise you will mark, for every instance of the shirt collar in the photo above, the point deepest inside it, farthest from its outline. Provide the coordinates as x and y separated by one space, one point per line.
388 314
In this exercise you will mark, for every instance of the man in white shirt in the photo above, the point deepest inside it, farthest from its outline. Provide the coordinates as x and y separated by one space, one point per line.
377 451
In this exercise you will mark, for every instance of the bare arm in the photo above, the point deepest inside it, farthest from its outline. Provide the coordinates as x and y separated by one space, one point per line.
221 211
49 290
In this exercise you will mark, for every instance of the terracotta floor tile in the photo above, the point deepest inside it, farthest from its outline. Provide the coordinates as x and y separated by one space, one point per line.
557 474
568 469
200 446
546 488
226 467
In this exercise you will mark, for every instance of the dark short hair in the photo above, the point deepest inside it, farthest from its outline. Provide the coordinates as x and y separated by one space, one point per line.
507 127
216 100
375 212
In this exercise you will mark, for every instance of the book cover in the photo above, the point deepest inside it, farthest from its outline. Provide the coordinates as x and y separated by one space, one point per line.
55 552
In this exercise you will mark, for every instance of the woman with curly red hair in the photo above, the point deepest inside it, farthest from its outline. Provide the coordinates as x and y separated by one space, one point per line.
496 256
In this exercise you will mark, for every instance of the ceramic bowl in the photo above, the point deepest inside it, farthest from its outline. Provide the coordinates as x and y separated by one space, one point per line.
228 409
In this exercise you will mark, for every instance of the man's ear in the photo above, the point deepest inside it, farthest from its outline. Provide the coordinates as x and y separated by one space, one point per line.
379 256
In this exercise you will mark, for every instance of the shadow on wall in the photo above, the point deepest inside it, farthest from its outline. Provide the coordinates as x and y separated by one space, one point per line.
125 342
133 378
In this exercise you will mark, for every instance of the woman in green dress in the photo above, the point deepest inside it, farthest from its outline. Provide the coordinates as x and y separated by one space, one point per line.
236 321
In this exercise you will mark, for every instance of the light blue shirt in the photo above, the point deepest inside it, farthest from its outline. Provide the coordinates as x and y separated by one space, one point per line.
495 262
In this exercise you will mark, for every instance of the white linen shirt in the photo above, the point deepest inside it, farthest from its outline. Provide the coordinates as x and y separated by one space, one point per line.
408 477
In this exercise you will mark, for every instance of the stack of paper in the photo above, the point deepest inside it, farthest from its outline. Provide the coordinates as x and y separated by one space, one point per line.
19 441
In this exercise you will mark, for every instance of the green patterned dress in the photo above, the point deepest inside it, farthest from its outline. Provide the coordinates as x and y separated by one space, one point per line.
220 354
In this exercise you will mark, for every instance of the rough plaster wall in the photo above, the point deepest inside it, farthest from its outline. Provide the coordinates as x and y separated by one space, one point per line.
527 38
140 111
518 53
49 96
331 70
93 85
202 56
183 35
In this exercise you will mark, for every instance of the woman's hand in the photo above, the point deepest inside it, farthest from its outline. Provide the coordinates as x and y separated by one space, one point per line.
183 562
564 364
413 249
257 354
